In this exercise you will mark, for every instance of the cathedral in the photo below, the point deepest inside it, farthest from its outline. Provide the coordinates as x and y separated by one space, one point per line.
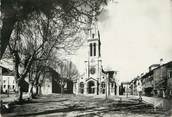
95 80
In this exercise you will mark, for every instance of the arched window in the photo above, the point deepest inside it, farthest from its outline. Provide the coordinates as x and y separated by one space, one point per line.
91 87
94 49
90 49
103 84
99 48
93 36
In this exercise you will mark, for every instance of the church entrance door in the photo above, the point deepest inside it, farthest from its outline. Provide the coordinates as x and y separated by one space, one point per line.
91 87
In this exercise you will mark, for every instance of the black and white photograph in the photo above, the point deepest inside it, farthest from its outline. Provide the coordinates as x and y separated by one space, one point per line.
86 58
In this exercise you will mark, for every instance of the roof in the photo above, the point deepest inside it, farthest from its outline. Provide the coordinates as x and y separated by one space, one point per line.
147 74
151 72
108 70
134 80
154 65
166 64
7 64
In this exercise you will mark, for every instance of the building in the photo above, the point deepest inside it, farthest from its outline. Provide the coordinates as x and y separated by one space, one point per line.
96 80
148 83
156 82
162 80
133 87
53 82
7 79
125 88
50 80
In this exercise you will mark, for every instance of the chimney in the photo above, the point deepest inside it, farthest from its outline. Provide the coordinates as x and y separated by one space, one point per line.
161 61
149 68
142 74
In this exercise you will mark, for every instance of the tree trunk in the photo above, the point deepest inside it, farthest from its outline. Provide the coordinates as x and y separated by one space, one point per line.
20 86
20 94
61 90
37 85
20 78
7 28
39 90
31 91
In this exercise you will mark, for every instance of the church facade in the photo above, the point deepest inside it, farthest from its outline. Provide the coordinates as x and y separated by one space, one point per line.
95 80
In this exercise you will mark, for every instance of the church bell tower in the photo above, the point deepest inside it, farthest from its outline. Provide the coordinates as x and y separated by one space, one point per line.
94 53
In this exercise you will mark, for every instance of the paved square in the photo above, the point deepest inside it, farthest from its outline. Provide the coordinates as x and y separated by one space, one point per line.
94 106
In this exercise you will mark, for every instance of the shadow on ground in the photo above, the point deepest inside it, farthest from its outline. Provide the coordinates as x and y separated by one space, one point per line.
81 106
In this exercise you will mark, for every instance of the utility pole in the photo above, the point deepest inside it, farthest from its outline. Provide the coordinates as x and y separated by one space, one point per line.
127 90
8 87
106 87
107 83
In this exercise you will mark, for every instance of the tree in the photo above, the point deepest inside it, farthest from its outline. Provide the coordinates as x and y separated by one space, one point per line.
67 71
19 11
38 72
35 41
38 28
72 71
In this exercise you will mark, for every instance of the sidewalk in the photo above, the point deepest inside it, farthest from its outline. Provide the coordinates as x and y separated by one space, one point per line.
156 101
159 102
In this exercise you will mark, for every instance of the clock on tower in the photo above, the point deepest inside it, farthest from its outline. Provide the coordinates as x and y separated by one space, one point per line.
92 70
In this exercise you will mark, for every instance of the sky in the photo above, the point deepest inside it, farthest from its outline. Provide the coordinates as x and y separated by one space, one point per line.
134 35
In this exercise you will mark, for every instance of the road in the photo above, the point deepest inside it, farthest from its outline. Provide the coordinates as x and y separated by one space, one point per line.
90 106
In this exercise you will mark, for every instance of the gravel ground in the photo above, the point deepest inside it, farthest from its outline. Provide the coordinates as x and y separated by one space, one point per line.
90 106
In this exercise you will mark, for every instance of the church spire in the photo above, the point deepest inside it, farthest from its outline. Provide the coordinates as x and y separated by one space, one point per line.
94 40
94 32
